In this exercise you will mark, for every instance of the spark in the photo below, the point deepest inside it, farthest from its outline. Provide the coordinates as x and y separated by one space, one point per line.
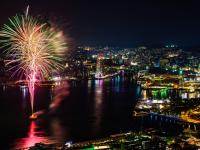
33 49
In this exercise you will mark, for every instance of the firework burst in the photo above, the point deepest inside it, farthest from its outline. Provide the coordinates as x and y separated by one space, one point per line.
33 49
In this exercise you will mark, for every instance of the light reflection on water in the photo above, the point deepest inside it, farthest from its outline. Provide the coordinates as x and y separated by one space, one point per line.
98 97
58 132
110 103
37 134
34 135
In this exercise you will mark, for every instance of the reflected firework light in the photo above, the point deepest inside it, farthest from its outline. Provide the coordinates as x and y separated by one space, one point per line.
57 130
33 49
60 92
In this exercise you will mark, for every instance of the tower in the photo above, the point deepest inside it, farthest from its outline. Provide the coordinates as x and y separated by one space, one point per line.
99 66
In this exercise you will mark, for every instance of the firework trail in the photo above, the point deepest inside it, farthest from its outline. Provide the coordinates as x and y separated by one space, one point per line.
33 49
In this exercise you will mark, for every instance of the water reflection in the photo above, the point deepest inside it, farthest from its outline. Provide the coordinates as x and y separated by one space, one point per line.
98 97
4 87
25 96
93 109
60 91
98 93
34 135
57 131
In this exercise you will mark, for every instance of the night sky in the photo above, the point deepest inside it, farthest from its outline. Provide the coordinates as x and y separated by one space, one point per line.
126 23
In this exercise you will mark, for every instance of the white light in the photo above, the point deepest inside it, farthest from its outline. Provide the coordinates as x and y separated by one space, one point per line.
94 56
134 63
56 78
68 144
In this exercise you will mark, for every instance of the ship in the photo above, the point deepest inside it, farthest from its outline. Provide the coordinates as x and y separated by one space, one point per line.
33 116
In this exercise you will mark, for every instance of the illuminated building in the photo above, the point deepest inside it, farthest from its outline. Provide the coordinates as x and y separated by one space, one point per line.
99 67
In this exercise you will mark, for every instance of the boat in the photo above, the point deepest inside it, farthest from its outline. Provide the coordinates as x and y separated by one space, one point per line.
33 116
140 113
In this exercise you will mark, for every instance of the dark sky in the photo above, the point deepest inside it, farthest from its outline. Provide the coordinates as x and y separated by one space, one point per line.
118 22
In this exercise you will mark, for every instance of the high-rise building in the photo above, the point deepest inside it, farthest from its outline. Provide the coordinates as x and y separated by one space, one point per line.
99 67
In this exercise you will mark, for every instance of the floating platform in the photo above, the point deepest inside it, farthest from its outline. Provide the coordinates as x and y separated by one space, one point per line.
33 116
